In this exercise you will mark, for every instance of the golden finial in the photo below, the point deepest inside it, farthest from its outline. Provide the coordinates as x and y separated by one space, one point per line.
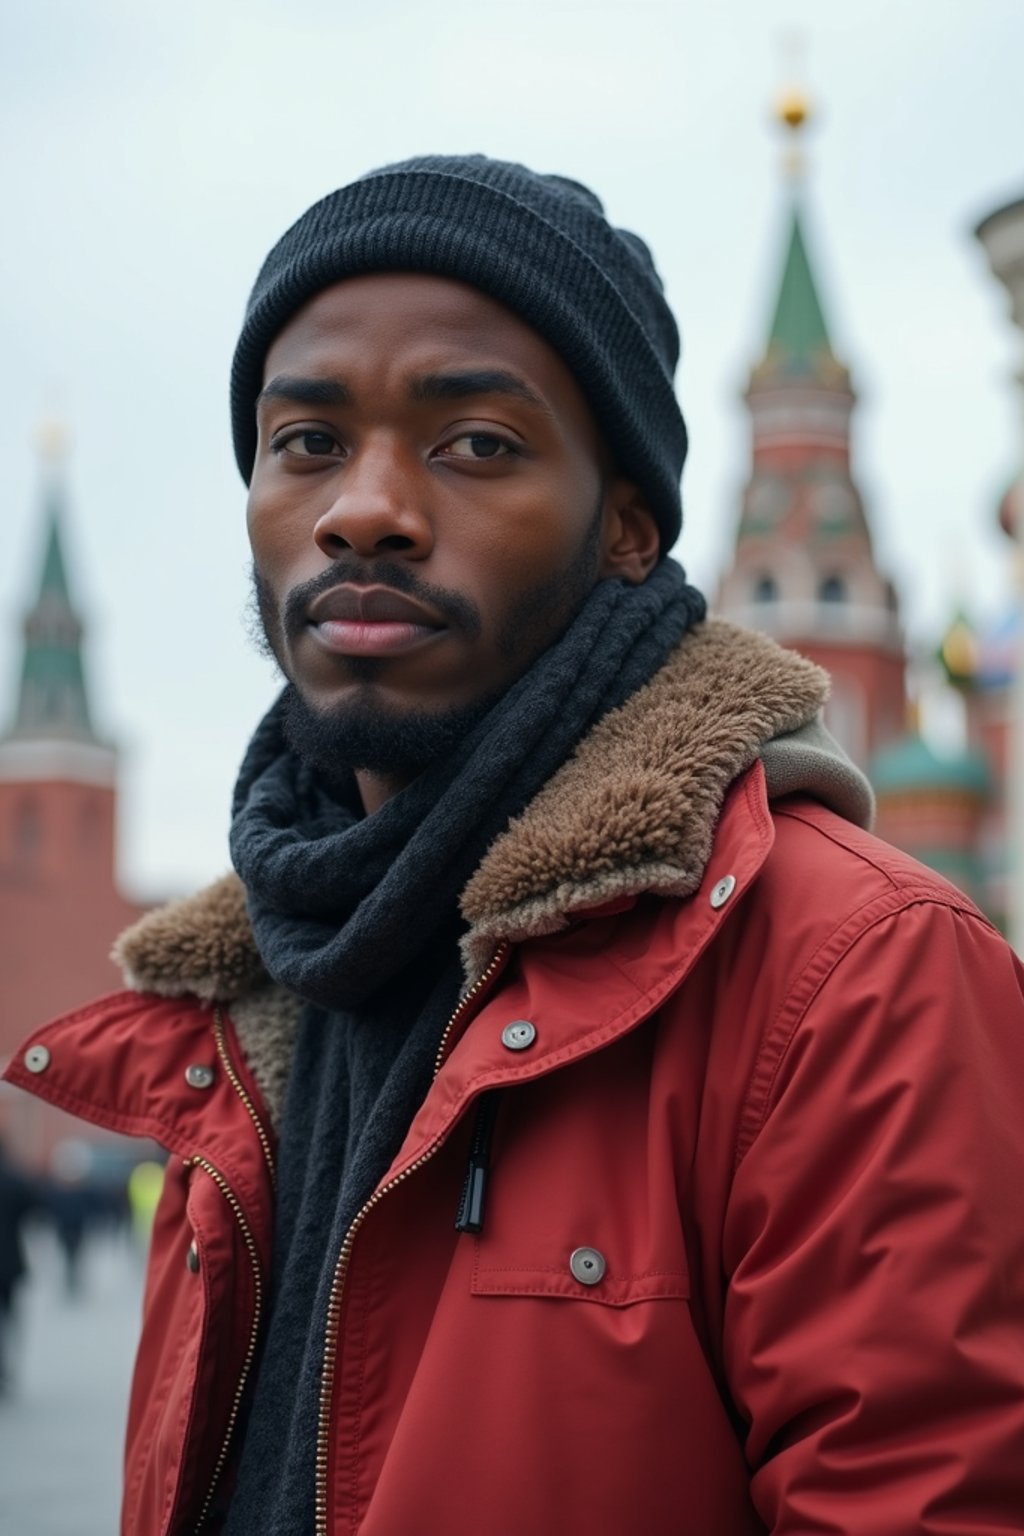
53 440
793 105
959 650
793 108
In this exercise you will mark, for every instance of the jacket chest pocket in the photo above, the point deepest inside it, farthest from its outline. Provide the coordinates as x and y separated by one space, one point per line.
583 1196
544 1369
560 1373
581 1273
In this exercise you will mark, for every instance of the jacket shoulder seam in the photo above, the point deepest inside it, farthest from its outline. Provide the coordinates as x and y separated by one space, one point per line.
832 950
898 879
791 813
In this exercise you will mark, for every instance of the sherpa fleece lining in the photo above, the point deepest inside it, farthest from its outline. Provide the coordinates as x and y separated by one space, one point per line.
633 810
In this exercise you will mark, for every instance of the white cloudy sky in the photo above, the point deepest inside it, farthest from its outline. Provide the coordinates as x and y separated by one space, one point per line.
151 153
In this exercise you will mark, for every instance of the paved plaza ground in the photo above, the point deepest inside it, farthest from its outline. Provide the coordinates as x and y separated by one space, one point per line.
62 1420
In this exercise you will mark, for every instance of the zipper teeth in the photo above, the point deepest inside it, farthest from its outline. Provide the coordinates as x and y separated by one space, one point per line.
466 998
239 1087
340 1269
250 1353
331 1341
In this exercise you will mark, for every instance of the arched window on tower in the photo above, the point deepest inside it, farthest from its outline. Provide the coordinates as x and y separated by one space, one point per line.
766 589
832 590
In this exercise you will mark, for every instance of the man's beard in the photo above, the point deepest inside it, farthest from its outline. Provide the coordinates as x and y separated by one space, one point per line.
358 733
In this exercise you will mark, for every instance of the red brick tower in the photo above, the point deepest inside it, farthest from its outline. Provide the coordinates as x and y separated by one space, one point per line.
803 569
60 907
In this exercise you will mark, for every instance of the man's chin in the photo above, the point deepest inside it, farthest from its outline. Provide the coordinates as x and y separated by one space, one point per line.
358 733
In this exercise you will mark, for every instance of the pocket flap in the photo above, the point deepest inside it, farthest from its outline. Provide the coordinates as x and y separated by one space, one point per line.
613 1289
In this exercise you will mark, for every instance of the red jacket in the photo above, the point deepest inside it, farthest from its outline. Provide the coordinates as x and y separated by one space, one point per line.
753 1248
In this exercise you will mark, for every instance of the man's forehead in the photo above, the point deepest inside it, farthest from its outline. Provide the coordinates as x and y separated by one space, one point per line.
444 303
428 327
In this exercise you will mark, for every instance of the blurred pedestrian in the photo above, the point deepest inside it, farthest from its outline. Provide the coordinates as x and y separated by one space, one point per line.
145 1182
70 1211
17 1198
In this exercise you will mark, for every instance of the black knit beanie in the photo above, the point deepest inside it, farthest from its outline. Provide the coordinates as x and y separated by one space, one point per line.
539 244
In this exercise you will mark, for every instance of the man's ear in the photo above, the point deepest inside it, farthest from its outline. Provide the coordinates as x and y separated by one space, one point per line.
631 542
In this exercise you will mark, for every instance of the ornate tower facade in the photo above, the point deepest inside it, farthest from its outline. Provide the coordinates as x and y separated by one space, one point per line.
1002 235
803 568
60 907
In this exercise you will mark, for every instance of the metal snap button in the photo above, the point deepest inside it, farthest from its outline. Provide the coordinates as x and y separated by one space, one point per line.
37 1058
518 1035
722 891
199 1076
192 1257
587 1265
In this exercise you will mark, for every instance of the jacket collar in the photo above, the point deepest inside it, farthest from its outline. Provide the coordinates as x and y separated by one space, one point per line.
633 811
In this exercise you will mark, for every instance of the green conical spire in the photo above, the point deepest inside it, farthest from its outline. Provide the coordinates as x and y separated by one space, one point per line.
54 579
52 697
798 340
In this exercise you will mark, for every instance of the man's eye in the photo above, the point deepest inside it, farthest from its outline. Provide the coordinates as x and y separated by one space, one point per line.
478 445
306 445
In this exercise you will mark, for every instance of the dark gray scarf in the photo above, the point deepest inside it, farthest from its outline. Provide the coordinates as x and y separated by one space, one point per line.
340 904
359 916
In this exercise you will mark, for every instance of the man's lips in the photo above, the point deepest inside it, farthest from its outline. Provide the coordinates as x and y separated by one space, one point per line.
371 621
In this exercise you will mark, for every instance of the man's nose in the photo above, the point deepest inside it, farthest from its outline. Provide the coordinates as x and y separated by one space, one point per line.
380 505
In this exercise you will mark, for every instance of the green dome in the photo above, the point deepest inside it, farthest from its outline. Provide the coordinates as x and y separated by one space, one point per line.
911 764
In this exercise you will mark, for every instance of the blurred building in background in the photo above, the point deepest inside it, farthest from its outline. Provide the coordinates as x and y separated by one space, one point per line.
803 570
1002 649
60 905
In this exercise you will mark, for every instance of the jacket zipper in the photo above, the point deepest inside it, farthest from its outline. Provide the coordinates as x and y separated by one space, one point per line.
257 1312
467 997
341 1268
220 1038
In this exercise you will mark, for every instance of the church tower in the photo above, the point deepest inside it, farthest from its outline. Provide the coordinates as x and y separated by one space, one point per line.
60 907
50 739
803 568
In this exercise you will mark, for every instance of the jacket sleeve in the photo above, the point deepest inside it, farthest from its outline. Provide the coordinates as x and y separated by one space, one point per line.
874 1243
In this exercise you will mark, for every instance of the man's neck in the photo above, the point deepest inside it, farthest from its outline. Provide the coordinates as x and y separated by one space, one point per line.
376 789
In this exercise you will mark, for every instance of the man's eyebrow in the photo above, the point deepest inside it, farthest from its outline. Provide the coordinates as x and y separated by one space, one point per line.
299 391
460 385
474 381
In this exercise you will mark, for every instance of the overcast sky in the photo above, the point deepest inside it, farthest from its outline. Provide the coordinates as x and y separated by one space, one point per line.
151 153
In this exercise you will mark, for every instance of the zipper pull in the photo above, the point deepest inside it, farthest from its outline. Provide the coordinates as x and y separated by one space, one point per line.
470 1217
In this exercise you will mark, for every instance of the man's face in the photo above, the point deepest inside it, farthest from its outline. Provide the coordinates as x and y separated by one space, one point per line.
429 505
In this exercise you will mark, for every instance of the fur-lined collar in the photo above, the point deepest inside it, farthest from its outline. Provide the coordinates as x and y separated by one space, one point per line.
633 810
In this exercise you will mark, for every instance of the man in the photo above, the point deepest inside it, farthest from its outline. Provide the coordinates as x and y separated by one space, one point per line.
17 1200
578 1121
